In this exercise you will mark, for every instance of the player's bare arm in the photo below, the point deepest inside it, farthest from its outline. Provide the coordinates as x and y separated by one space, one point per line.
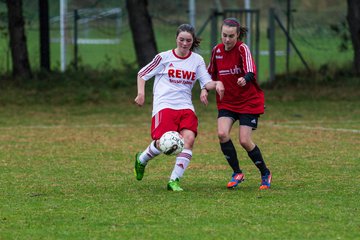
140 98
220 89
218 86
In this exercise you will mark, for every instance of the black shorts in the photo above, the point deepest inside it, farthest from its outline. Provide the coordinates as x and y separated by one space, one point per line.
250 120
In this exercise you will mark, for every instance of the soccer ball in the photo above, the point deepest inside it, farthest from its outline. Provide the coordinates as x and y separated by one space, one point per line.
171 143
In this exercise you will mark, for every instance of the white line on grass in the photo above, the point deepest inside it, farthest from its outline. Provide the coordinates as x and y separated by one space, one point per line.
317 121
312 128
66 126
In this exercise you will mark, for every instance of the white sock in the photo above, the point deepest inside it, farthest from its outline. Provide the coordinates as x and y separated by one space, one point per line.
182 161
150 152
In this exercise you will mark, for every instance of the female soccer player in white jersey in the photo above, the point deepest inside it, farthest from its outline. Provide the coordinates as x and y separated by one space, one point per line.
233 65
175 72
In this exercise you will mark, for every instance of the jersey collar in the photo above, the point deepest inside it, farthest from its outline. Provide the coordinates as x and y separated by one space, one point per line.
180 56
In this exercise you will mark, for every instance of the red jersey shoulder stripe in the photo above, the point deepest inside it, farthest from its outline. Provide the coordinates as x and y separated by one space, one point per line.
154 63
247 58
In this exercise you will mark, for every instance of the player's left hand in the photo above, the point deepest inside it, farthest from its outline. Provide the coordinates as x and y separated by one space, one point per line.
241 81
204 97
220 89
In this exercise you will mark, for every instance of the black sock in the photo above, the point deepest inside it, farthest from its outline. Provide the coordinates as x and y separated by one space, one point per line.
229 151
258 160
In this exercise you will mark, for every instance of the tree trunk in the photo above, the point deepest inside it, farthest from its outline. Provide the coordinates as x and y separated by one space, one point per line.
44 35
142 31
19 52
353 18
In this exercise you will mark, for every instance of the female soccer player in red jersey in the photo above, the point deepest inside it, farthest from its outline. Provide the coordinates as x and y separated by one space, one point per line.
175 72
233 65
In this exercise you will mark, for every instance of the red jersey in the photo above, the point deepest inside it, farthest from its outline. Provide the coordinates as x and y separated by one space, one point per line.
227 67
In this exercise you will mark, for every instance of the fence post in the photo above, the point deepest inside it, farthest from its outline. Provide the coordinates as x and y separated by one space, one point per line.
214 28
257 41
63 10
76 17
271 36
288 16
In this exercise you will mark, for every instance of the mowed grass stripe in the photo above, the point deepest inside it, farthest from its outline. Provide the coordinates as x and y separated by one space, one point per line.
267 123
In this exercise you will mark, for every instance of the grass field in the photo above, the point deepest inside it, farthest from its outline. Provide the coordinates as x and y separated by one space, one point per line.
66 172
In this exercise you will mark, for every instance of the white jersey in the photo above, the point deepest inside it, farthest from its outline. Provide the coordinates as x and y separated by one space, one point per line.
175 77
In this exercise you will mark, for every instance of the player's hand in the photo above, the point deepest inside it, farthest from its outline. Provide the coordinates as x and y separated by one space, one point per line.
220 89
204 97
241 82
140 99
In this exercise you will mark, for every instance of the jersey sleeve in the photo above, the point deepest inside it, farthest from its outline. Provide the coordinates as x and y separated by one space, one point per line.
202 74
212 68
247 59
151 69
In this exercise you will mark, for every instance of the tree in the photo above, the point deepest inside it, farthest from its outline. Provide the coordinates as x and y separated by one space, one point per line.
44 35
19 52
353 18
142 31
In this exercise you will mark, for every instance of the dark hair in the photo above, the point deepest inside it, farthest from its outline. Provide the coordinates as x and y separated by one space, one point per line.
233 22
190 29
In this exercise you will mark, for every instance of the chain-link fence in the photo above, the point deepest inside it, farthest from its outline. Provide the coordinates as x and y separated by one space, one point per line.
318 28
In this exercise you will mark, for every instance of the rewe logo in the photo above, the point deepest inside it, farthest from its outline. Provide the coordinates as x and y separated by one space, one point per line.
181 74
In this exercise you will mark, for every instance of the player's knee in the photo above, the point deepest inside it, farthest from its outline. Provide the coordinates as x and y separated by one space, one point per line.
245 143
223 136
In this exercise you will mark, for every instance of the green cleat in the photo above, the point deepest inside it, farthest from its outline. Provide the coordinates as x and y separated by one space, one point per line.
173 185
139 167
